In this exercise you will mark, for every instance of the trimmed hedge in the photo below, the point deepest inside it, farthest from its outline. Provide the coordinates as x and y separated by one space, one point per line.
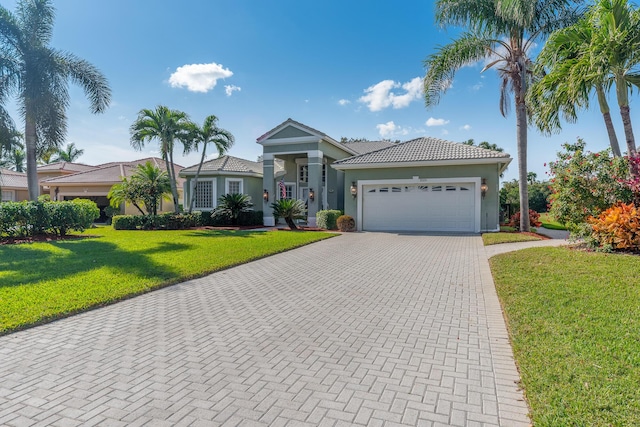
28 218
172 221
327 219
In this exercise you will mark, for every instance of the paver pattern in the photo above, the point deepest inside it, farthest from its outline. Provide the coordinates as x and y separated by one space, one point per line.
363 329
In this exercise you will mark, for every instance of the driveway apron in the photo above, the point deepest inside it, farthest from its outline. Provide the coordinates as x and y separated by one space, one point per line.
374 329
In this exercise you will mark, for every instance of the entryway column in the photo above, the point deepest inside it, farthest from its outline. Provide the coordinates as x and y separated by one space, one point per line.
315 183
268 184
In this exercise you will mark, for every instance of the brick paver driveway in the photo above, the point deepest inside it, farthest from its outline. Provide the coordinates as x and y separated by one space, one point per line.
363 329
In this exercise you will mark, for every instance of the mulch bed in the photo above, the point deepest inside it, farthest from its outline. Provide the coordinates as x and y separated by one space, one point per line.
41 238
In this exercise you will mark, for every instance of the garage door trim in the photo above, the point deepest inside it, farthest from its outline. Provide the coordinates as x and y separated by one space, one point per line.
416 180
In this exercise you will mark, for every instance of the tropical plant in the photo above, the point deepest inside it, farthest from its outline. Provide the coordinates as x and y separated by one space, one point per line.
146 187
69 154
232 205
289 210
166 126
617 228
15 160
209 133
484 144
39 74
585 183
502 32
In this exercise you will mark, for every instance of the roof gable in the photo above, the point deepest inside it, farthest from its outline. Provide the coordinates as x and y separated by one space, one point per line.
291 129
225 165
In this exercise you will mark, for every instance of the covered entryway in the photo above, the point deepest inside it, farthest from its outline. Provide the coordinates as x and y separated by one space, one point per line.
441 206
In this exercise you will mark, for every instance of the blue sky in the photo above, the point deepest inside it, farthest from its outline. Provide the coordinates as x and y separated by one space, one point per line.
346 68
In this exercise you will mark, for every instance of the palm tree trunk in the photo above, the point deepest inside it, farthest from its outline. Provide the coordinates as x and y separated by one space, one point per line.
30 146
606 115
195 180
628 129
521 135
174 185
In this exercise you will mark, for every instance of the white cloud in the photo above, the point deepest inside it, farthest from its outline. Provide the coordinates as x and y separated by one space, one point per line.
390 129
445 132
381 95
432 121
466 127
386 129
344 102
229 89
199 77
476 87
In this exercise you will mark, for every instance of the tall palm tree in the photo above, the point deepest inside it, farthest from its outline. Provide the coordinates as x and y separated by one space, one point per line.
502 32
40 75
15 160
601 50
166 126
68 154
209 133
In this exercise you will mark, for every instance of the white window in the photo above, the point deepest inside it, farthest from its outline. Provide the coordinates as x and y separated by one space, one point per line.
205 194
290 191
233 186
8 196
304 173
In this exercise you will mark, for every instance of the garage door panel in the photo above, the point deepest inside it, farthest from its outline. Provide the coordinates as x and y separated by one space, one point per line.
441 207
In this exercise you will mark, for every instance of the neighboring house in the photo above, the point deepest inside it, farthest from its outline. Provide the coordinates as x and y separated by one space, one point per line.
224 175
53 170
94 184
13 186
426 184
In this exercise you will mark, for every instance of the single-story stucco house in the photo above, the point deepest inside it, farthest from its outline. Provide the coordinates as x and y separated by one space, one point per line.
426 184
14 186
95 183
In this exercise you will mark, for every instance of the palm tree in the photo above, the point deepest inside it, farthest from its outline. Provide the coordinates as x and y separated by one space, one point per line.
572 61
232 205
502 32
69 154
209 133
15 160
147 186
40 74
289 210
166 126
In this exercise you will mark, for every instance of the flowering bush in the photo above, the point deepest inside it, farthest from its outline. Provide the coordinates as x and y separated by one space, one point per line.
617 228
534 219
585 183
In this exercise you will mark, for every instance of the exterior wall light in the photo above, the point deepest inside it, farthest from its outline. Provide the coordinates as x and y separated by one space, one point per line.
484 187
312 195
354 189
265 195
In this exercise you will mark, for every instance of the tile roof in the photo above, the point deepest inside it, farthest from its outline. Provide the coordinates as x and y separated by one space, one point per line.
158 162
65 166
361 147
425 149
109 173
13 179
227 164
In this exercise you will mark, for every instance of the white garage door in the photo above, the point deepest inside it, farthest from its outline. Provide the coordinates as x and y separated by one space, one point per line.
413 207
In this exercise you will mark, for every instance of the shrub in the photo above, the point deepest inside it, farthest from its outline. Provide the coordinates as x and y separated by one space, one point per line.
76 215
617 228
327 219
534 219
22 219
233 205
585 183
346 223
14 219
127 222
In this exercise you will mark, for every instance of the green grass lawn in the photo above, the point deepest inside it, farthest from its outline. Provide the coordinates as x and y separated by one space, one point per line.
550 222
42 281
506 237
574 320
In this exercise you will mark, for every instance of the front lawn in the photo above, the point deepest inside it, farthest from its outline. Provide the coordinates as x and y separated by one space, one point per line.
550 223
574 321
507 237
43 281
